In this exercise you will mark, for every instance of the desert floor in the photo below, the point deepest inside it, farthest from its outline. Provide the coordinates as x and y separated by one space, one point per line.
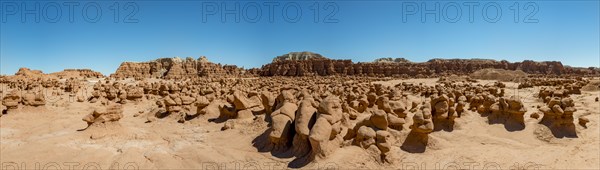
52 137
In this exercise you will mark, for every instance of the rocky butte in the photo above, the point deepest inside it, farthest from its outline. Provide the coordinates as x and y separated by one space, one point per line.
175 68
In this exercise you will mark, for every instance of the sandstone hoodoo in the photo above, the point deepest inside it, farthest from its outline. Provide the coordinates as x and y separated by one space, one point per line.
325 135
11 101
558 116
508 110
282 119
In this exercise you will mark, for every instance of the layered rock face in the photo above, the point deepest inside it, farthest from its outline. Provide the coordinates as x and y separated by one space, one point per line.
79 73
174 68
318 65
102 115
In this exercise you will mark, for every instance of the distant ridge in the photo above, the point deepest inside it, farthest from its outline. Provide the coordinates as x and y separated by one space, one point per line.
305 64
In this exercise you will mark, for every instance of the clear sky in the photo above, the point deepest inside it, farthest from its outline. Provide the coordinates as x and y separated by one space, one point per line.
72 35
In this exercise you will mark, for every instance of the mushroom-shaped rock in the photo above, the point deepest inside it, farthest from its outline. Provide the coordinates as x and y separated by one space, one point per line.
11 100
507 110
422 122
558 116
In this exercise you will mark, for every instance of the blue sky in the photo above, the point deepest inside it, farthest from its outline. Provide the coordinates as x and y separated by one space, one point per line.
565 31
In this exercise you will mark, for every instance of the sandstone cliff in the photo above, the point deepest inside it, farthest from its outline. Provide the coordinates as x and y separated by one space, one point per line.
401 67
175 68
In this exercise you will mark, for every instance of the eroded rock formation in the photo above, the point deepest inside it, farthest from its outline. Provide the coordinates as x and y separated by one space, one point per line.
304 64
103 115
558 116
175 68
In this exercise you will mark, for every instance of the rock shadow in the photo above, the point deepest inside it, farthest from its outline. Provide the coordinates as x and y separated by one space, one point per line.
285 150
511 124
415 142
560 131
443 124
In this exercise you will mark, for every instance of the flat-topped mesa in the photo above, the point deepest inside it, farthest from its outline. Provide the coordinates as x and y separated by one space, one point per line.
392 60
79 73
302 64
298 56
305 64
174 68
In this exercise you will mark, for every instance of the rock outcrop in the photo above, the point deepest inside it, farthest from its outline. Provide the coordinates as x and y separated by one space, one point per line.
11 100
28 72
34 99
307 64
86 73
3 109
509 111
104 115
325 136
175 68
418 138
282 119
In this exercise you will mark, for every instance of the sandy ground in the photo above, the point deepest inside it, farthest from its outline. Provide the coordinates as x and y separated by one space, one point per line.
51 138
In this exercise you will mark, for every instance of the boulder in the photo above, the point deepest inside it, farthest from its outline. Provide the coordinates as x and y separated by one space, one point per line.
100 116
